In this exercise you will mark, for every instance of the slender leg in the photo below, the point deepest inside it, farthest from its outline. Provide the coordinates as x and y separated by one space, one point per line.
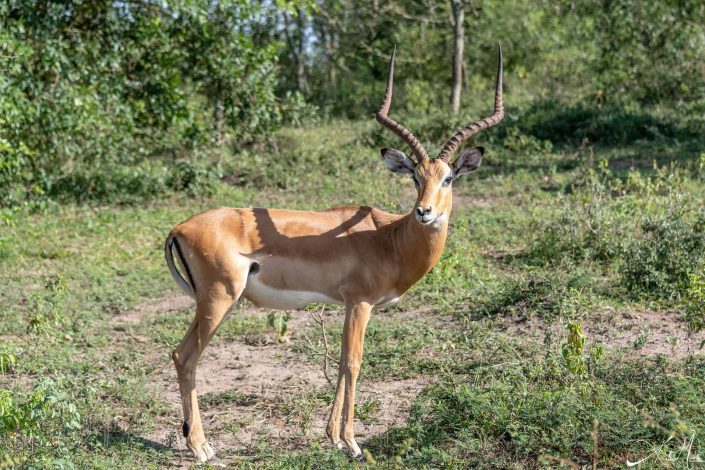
333 428
210 312
356 318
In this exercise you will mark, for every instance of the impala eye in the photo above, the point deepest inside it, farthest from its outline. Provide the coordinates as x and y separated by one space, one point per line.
447 181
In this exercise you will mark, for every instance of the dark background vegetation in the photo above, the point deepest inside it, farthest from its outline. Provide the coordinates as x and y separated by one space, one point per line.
119 119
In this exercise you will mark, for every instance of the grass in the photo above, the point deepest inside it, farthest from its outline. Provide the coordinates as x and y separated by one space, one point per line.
544 232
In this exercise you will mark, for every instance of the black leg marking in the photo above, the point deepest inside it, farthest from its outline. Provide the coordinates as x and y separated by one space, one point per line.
186 427
254 268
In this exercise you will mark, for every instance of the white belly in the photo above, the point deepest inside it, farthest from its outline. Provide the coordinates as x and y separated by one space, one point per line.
265 296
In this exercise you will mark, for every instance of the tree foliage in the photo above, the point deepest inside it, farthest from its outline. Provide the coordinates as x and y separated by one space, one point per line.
86 85
95 88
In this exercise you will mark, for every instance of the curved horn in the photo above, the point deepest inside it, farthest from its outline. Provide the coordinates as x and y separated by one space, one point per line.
391 124
473 128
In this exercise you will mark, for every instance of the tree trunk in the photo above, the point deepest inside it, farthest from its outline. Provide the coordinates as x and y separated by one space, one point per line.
219 115
297 49
458 45
301 66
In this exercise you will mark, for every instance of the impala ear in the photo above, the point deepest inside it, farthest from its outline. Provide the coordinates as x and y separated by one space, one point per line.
468 161
397 161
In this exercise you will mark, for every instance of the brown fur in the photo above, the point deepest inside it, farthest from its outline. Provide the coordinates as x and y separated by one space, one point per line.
355 255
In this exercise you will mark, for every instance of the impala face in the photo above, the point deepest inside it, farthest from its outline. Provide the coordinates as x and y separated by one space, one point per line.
433 180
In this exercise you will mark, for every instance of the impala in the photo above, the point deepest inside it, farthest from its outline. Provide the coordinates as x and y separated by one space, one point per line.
357 256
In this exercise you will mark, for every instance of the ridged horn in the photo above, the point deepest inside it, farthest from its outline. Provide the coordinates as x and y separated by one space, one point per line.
384 119
473 128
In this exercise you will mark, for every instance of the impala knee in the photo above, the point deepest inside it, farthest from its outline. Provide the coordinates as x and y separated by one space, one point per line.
177 359
353 366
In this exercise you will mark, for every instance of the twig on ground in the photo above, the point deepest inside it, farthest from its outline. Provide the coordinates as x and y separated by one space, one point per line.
318 318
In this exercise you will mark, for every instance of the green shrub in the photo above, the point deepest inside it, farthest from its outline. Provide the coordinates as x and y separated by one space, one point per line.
8 360
46 306
542 294
561 124
127 184
695 303
296 112
85 103
659 262
42 426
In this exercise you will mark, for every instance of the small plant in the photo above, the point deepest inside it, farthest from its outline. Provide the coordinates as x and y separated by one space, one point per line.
46 306
695 303
642 338
367 410
8 360
280 323
41 425
295 111
572 350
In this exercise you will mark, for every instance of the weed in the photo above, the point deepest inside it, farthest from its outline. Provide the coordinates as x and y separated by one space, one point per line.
8 360
44 424
641 338
366 410
572 350
46 307
695 303
279 321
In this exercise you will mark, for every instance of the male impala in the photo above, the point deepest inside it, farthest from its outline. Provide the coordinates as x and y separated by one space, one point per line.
357 256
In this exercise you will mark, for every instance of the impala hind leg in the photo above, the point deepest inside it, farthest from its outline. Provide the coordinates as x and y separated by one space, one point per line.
342 415
211 309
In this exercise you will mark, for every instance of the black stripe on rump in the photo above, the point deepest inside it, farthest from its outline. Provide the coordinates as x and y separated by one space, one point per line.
183 261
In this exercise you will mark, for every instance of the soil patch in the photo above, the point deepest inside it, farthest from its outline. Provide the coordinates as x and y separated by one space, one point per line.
166 304
252 393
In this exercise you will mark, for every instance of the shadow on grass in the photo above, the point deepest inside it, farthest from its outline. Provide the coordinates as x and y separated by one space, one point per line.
118 437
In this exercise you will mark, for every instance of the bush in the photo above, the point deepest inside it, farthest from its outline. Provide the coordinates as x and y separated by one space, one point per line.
296 112
695 303
83 102
536 294
660 261
129 184
41 426
608 125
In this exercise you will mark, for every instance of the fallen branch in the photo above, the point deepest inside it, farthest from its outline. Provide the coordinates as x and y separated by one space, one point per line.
318 318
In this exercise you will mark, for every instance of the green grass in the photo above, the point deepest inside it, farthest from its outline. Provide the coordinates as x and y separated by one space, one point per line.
543 232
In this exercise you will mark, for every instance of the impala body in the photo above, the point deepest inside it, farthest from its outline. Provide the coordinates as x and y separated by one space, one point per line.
356 256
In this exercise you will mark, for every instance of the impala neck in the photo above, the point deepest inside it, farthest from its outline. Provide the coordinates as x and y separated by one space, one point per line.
419 248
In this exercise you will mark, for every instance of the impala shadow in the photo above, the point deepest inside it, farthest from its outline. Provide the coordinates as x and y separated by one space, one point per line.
357 233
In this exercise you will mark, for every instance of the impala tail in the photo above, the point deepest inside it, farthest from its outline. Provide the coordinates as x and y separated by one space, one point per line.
169 253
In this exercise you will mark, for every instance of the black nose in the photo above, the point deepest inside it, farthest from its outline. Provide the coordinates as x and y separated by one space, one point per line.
423 211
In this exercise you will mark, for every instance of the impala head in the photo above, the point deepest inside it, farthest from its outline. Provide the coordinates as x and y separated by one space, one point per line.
434 177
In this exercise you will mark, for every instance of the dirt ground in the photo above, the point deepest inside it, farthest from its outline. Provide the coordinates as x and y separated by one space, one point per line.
263 381
255 392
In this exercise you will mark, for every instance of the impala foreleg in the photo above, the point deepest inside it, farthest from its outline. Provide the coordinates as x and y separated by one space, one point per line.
333 428
210 312
356 318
